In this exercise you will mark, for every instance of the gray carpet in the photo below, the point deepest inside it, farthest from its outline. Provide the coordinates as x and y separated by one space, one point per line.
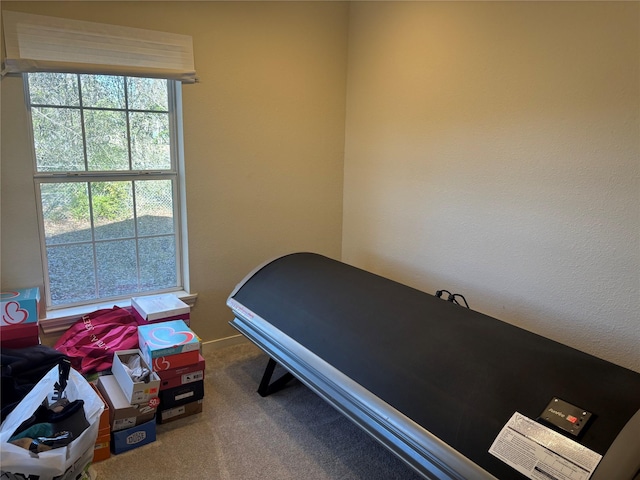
289 435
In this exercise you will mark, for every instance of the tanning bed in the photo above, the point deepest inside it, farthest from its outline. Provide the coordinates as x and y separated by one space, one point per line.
454 393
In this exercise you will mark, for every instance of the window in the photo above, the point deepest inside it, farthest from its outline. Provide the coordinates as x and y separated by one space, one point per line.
107 181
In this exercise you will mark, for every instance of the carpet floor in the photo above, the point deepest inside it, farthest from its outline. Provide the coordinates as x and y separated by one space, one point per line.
290 435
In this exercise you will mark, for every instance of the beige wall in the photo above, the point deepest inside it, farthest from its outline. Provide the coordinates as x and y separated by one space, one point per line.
493 149
263 134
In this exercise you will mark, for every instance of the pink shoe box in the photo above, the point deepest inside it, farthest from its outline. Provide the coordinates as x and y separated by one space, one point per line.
176 377
19 336
185 317
171 362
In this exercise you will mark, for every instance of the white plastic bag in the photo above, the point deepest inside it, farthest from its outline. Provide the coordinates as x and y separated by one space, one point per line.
59 463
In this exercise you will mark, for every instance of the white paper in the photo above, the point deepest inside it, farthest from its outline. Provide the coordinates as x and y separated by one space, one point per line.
541 453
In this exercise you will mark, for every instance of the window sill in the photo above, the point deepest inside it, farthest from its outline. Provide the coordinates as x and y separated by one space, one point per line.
56 321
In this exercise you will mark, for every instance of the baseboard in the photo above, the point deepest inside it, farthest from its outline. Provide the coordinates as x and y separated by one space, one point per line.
213 345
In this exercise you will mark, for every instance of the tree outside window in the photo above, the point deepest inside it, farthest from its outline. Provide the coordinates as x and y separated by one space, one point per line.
107 178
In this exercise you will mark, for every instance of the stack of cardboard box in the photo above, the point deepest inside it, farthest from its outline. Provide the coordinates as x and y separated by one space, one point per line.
132 403
19 322
173 352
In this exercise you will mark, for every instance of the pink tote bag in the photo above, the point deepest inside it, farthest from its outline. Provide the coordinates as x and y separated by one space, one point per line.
91 342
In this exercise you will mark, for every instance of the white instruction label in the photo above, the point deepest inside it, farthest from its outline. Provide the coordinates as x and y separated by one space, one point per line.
540 453
174 412
192 377
122 423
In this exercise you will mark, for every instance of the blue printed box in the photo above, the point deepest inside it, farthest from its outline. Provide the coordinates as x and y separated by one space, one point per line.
166 338
133 437
20 306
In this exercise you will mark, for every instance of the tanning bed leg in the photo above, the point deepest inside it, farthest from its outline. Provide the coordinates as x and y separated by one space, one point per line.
267 388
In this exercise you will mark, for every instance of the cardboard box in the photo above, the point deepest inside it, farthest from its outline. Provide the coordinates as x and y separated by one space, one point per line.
104 417
175 397
19 336
137 393
165 339
20 306
175 377
133 437
176 413
102 447
174 361
122 415
165 306
185 317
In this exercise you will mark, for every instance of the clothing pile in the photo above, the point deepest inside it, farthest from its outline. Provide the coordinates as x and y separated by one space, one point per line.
51 426
20 370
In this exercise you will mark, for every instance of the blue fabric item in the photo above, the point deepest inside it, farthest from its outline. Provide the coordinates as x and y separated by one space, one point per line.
34 431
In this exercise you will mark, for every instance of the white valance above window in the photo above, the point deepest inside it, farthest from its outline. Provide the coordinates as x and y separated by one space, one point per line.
37 43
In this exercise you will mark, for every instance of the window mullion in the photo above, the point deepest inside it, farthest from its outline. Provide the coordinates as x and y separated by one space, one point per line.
136 233
133 183
115 175
93 240
82 126
128 115
175 129
89 189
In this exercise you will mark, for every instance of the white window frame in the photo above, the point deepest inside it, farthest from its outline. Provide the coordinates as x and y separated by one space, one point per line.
60 317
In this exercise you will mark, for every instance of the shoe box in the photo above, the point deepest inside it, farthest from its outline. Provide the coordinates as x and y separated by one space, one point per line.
177 396
122 414
174 353
181 391
168 345
176 377
182 411
182 385
102 449
19 336
134 437
159 308
19 319
131 425
140 392
170 362
20 306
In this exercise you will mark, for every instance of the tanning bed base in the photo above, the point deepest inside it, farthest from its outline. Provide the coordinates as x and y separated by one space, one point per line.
413 444
291 306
